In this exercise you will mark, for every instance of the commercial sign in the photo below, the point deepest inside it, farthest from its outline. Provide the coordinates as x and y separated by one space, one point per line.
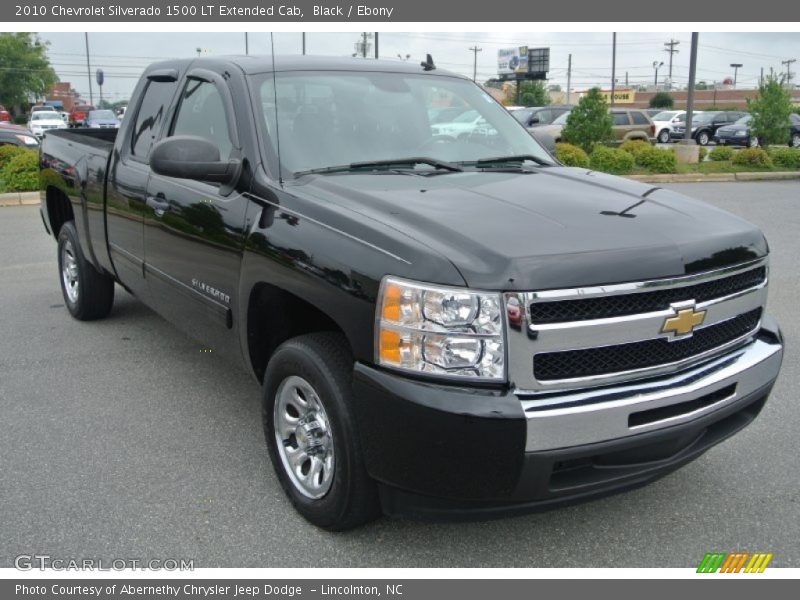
620 96
511 61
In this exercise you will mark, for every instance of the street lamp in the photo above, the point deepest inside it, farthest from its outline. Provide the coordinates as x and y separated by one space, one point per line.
656 66
736 67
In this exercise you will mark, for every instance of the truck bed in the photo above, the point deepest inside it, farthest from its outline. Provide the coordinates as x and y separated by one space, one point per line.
102 139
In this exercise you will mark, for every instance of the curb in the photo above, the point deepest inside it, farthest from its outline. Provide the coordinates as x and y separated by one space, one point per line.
19 199
716 177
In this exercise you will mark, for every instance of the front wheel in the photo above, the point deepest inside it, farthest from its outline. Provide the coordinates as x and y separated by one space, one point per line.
702 138
311 432
88 294
753 142
795 143
663 136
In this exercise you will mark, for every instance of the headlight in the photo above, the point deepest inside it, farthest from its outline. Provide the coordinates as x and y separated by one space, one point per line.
740 132
27 140
451 332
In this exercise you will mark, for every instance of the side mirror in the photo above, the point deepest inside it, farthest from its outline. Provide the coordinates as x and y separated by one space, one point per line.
547 141
192 157
533 121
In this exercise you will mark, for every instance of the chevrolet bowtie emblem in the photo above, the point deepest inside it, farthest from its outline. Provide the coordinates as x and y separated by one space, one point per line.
684 321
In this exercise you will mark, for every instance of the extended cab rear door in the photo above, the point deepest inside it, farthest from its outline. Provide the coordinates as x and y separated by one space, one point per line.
195 230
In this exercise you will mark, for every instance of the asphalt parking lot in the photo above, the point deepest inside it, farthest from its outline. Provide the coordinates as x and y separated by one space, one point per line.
121 439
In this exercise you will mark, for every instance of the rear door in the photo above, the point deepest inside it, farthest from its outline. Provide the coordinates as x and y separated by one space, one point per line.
127 179
621 124
194 230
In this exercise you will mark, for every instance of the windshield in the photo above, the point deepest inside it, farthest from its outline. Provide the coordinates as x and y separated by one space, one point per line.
561 120
522 114
102 114
44 115
701 117
744 120
327 119
666 115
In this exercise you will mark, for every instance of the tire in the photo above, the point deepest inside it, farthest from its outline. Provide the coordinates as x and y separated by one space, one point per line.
88 294
795 141
753 142
323 362
663 136
702 138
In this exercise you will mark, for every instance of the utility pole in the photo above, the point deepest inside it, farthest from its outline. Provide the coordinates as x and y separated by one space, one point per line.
626 79
736 67
246 44
89 69
687 136
376 45
788 64
613 66
670 47
475 51
569 75
364 45
304 43
761 79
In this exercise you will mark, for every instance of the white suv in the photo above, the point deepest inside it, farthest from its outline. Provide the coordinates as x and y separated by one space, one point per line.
664 122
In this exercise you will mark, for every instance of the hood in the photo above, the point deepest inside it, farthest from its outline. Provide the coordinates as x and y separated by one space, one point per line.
53 121
555 227
103 121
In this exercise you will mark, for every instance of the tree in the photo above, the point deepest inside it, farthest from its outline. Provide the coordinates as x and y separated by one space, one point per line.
661 100
701 85
26 74
533 93
554 88
589 122
771 111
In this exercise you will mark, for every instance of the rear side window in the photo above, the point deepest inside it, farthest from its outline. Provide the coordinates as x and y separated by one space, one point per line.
150 116
639 118
202 113
620 118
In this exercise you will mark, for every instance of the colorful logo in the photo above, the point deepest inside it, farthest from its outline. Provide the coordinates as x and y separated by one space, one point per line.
735 562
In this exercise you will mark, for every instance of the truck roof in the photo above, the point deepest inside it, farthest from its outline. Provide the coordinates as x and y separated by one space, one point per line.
254 63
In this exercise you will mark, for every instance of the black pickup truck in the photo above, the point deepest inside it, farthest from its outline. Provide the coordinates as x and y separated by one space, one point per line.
446 322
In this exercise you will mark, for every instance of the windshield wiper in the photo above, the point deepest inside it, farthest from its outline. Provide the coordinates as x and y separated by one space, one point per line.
387 163
516 159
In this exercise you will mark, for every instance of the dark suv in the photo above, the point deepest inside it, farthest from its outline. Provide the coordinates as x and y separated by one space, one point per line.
705 125
535 116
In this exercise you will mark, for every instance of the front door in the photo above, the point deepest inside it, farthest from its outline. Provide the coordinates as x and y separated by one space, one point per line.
194 232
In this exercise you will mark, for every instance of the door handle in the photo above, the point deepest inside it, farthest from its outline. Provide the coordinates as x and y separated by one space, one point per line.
158 203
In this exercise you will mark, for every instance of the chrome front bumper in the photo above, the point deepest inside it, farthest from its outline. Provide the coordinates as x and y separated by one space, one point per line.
600 414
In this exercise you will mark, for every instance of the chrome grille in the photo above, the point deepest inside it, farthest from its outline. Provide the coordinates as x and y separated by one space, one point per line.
583 337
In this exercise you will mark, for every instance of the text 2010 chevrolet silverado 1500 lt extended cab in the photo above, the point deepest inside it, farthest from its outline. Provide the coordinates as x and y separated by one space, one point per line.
443 324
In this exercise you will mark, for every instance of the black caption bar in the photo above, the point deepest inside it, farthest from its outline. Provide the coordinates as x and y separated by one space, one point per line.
731 587
397 11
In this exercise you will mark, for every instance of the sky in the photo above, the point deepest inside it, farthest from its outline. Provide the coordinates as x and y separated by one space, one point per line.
123 56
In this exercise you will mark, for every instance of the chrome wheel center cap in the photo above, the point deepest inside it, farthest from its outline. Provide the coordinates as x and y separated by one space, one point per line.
310 435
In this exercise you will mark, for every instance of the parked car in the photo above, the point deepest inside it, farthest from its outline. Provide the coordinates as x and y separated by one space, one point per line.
469 122
16 135
101 119
665 121
553 130
5 116
42 121
438 326
441 114
705 125
77 117
537 116
121 112
740 134
632 124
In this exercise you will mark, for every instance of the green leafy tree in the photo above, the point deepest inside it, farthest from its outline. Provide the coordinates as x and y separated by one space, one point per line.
661 100
26 72
701 86
588 123
771 111
533 93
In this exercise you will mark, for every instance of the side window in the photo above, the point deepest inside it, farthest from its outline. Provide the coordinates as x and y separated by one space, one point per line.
639 118
620 118
545 117
150 116
202 113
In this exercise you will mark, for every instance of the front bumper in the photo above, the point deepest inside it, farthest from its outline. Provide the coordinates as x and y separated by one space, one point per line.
442 451
732 140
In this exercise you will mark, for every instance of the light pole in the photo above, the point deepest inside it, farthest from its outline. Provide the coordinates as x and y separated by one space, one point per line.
656 66
736 67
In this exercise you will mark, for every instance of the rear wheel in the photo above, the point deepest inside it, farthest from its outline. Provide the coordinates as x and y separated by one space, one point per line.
795 143
311 432
702 138
663 136
88 294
